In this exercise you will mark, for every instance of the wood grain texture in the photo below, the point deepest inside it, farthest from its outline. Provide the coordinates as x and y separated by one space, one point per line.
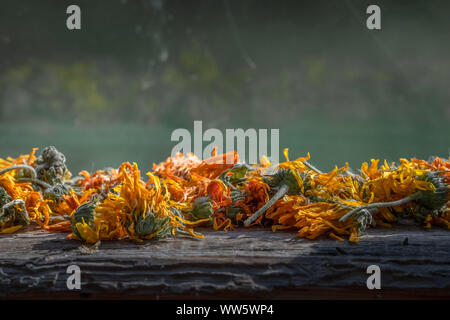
245 263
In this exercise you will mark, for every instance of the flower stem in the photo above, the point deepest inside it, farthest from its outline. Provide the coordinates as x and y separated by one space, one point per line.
400 202
280 193
309 165
18 167
41 183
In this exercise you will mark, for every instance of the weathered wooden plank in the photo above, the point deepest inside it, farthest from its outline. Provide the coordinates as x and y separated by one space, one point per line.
251 263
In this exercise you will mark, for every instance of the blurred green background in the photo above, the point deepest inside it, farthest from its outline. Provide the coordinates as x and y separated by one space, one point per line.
114 90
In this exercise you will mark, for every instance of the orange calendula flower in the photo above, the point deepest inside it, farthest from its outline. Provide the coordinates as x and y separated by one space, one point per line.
184 192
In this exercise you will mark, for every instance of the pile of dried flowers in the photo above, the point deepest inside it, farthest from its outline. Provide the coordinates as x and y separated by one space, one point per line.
184 192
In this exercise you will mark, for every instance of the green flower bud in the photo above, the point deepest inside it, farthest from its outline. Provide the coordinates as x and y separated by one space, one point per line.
202 208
